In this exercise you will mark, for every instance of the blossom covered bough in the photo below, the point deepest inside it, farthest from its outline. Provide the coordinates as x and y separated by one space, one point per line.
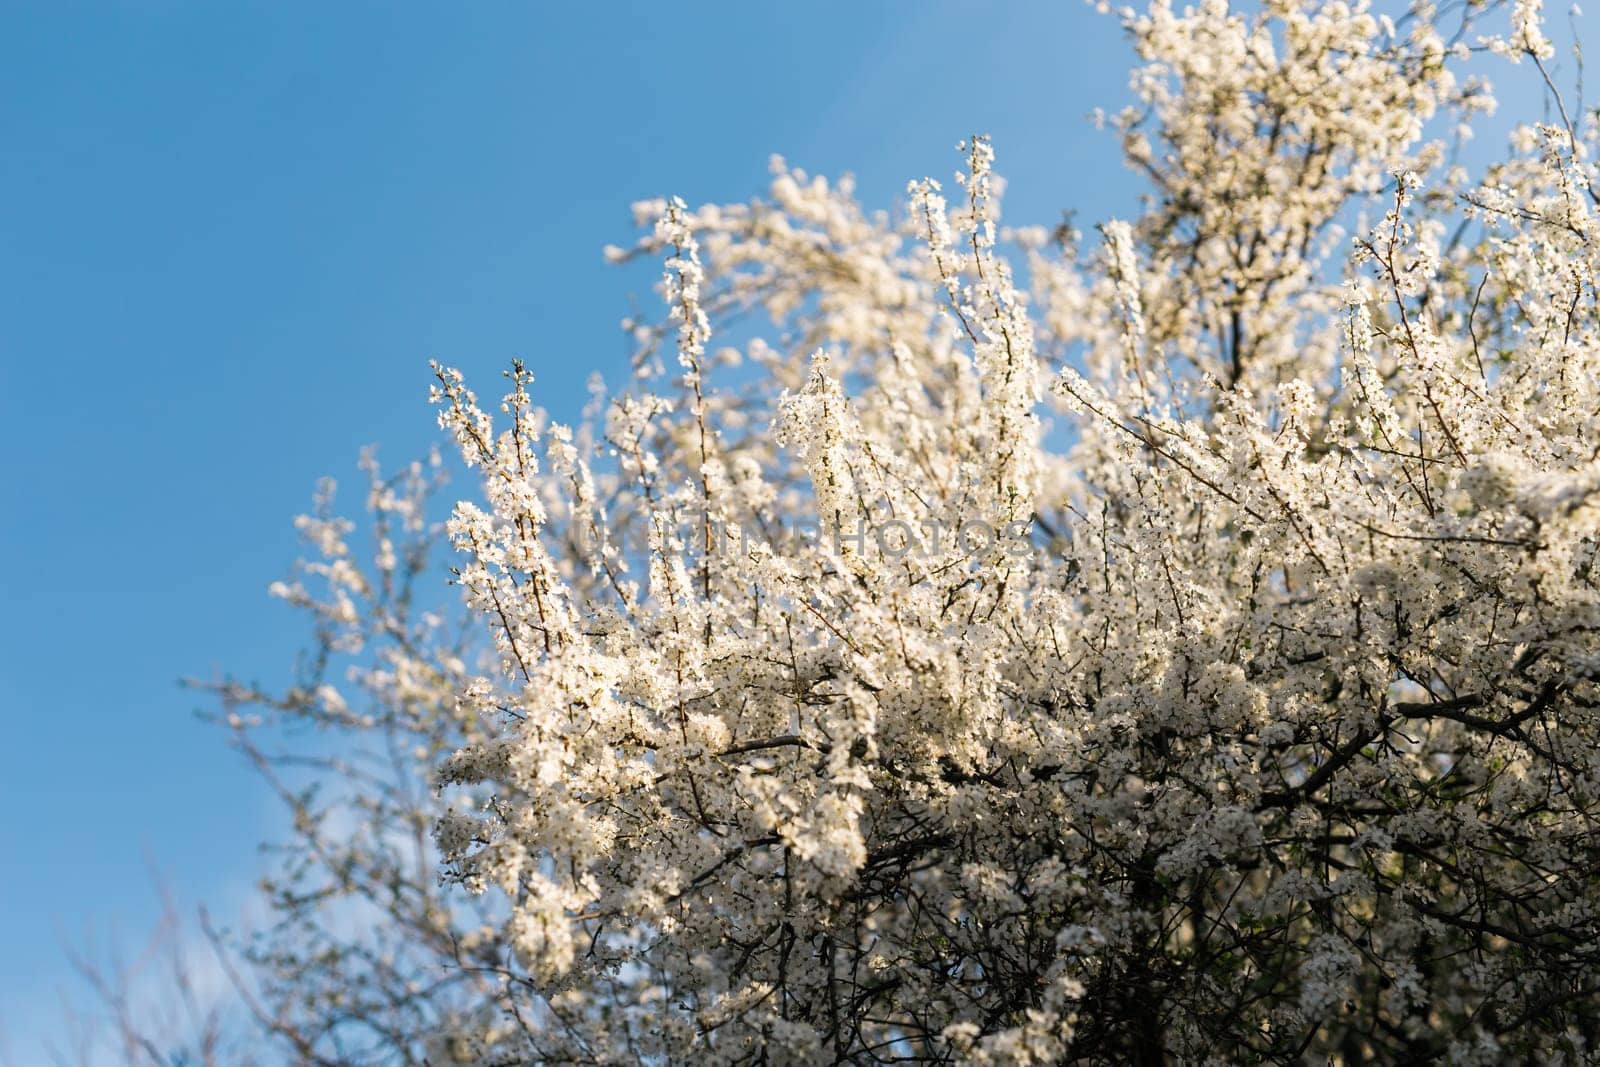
1259 725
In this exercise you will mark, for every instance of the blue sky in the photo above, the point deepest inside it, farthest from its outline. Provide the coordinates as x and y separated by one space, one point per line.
234 234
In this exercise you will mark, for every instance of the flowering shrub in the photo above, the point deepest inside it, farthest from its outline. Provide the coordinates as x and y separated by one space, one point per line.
1261 726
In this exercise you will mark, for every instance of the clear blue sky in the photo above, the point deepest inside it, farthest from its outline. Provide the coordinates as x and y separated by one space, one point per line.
233 234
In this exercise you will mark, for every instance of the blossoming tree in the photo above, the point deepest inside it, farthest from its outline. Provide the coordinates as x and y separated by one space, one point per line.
1190 656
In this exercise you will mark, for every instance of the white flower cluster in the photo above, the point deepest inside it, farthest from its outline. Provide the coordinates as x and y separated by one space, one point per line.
1281 744
1283 741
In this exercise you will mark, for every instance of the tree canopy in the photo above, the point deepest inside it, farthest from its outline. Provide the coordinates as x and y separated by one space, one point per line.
972 644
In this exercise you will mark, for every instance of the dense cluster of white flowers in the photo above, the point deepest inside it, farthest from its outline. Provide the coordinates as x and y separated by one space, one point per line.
1284 739
1281 742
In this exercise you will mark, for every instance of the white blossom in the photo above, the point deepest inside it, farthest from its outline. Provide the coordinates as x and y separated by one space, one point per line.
1277 741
